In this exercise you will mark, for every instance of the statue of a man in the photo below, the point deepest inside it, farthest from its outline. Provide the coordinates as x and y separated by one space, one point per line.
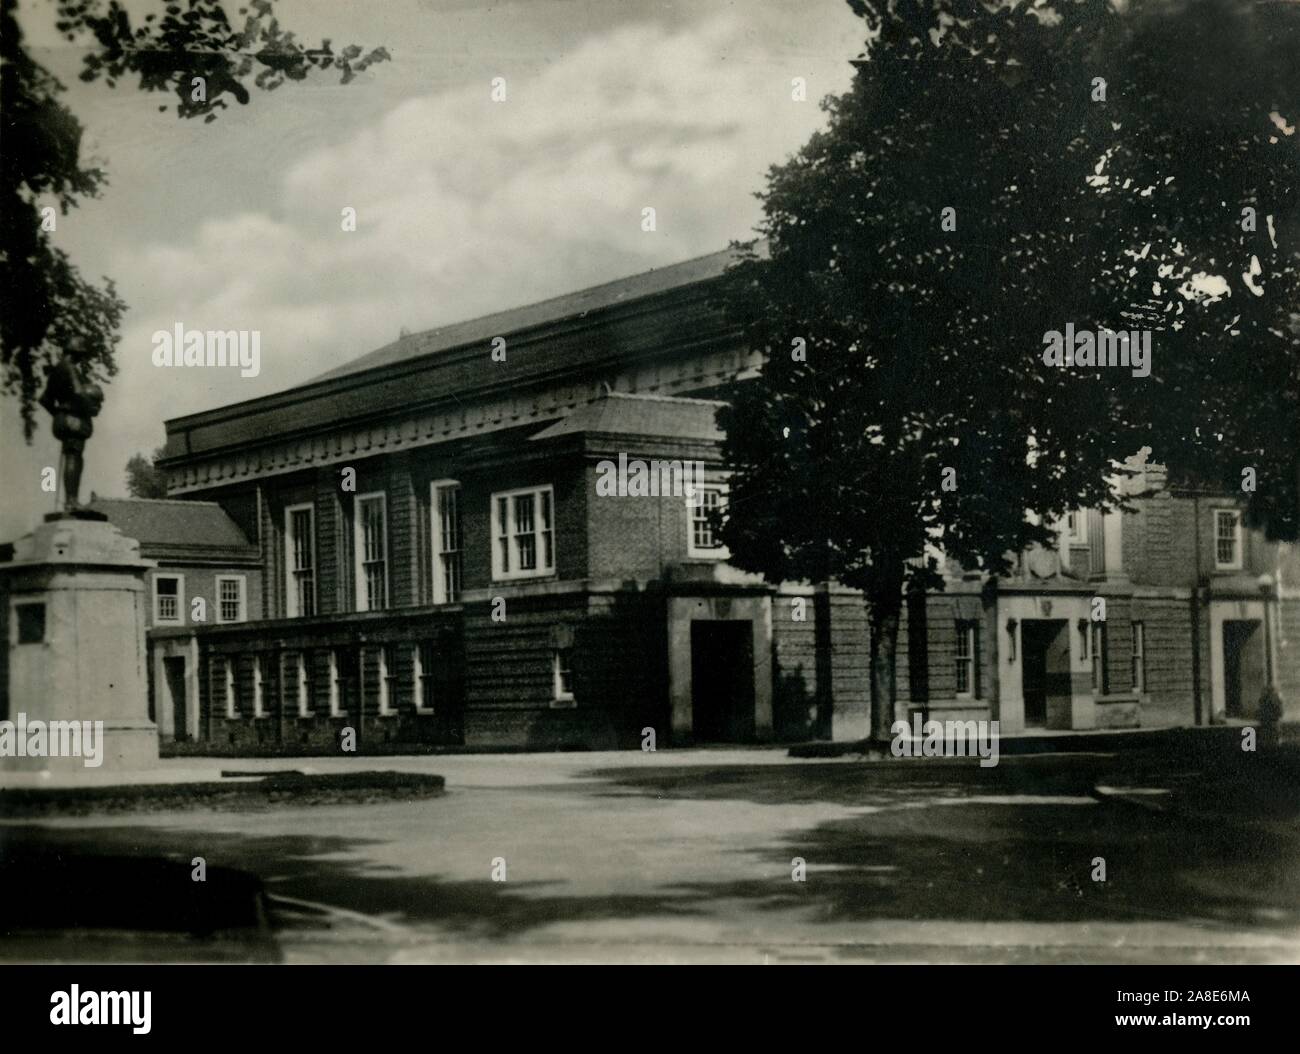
73 403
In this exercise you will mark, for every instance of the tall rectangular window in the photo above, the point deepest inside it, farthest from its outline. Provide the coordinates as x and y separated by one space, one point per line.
702 506
1227 539
294 685
523 533
372 552
1100 674
259 690
230 688
1139 657
168 599
445 507
562 669
967 658
384 679
230 598
336 685
422 677
300 560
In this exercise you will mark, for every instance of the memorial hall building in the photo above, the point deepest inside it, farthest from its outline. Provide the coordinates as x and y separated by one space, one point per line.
424 555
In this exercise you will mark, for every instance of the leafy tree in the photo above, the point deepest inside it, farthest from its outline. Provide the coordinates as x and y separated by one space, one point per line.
920 411
143 478
189 50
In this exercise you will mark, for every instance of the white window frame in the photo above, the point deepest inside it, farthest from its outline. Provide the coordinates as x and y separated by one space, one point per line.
966 632
179 620
1237 541
441 595
335 693
560 697
232 712
259 688
419 677
694 502
243 597
301 705
1138 650
502 573
385 695
290 574
359 549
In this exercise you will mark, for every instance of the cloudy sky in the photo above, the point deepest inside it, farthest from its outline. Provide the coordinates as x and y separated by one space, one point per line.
464 206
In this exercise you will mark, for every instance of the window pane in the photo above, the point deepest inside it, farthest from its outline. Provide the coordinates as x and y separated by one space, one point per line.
503 533
168 591
965 657
301 557
548 554
706 500
525 541
372 553
1226 537
524 514
448 543
424 681
231 597
526 547
372 520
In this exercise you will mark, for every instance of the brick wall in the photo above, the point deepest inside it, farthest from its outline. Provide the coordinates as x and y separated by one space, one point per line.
799 712
632 537
282 730
842 641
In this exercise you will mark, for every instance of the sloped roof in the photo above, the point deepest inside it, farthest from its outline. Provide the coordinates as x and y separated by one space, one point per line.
189 525
623 413
482 330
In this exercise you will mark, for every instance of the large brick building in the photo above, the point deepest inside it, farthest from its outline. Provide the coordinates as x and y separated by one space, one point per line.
438 564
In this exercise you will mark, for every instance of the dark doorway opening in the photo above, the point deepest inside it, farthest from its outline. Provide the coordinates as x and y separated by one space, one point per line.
1243 667
1045 651
174 679
722 681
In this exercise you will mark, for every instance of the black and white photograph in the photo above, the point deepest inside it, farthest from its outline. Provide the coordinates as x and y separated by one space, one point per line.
671 483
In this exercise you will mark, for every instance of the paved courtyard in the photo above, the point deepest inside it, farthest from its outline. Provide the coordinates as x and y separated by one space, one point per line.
688 856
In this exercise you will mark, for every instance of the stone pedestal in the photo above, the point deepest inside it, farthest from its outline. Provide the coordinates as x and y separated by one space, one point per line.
74 600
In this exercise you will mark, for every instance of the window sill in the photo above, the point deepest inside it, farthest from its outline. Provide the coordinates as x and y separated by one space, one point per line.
528 577
564 704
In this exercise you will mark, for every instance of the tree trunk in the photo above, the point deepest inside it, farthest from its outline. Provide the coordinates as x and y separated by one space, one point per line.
884 608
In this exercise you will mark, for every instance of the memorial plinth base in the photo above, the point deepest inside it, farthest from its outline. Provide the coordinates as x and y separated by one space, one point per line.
74 596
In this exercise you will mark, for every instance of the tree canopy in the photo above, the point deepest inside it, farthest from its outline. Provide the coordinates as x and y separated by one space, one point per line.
143 477
992 176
